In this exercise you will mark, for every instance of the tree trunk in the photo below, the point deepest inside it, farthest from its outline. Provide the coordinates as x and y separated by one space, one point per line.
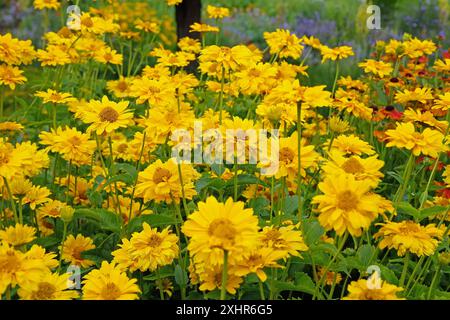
187 13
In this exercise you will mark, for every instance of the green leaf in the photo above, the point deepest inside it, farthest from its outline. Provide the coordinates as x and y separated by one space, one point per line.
312 231
425 213
388 275
364 254
407 208
290 204
181 277
107 220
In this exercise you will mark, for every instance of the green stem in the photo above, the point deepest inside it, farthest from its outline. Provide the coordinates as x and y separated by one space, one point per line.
223 288
13 204
62 245
261 291
405 270
430 294
160 287
299 168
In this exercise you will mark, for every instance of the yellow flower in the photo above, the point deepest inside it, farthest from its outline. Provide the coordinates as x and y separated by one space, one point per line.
217 12
202 27
428 142
211 279
363 169
53 56
408 236
338 125
362 290
443 103
174 2
378 68
13 160
46 4
73 247
161 182
147 26
52 96
351 144
109 283
17 267
52 209
215 60
156 92
72 144
415 48
18 234
336 53
190 45
121 87
284 44
105 116
421 95
285 240
14 51
216 227
425 117
11 76
36 196
258 260
48 286
151 249
10 126
108 55
330 277
442 65
346 204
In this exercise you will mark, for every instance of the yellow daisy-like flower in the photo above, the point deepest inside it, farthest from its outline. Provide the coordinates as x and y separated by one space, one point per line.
216 227
73 247
337 53
428 142
351 144
203 27
286 240
161 182
121 88
443 102
190 45
147 26
257 261
17 267
53 56
211 278
346 204
284 44
52 209
363 169
36 196
18 234
109 283
421 95
46 4
442 65
105 116
378 68
362 290
108 55
152 249
72 144
6 126
11 76
47 286
13 159
408 236
52 96
217 12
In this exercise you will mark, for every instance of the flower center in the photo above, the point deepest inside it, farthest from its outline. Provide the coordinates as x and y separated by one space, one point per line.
353 166
409 228
109 114
10 263
122 148
154 241
110 292
161 175
122 86
347 200
222 228
287 155
45 291
87 22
